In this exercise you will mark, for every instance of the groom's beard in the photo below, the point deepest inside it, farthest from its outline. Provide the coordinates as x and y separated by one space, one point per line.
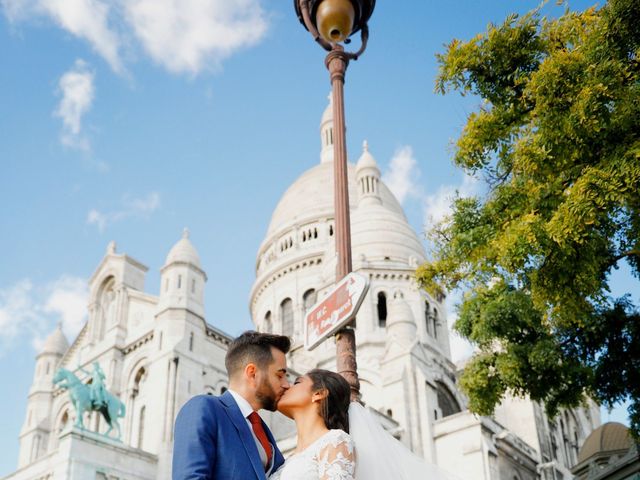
267 396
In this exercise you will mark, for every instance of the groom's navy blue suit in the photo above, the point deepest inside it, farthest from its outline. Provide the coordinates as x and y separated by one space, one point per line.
213 441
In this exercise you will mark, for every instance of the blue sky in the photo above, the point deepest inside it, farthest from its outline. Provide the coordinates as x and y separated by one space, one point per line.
128 121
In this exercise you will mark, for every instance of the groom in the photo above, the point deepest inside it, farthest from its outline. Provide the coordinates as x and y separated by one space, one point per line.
223 437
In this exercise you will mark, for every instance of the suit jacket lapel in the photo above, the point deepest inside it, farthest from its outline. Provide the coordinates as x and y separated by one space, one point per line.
278 459
233 411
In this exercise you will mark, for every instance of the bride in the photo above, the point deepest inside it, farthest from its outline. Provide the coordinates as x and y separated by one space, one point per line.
333 433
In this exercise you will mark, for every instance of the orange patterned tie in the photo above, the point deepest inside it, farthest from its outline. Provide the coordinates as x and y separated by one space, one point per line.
256 424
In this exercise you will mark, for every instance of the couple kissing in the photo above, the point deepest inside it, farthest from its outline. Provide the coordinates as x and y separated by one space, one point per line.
225 438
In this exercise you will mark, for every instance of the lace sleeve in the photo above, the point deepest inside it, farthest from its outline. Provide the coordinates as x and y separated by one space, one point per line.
336 459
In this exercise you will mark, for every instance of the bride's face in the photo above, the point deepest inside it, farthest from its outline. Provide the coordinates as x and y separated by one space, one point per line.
299 396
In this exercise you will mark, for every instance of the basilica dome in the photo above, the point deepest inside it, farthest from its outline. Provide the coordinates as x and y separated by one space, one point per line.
297 257
311 196
378 230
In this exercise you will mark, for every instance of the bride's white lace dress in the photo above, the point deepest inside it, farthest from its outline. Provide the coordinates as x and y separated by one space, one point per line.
331 457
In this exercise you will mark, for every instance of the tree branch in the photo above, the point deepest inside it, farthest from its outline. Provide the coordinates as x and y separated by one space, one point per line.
631 253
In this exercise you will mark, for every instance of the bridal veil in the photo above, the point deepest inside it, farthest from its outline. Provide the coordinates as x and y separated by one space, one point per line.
379 456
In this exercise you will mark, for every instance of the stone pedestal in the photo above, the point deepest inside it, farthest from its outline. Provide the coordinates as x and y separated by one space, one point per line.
84 455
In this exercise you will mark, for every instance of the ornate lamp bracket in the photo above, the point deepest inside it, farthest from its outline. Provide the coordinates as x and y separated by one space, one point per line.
331 46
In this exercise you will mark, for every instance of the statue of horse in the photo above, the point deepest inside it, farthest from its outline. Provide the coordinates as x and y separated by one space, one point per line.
111 409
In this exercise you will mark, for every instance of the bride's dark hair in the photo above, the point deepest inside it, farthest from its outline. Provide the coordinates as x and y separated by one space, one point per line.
333 407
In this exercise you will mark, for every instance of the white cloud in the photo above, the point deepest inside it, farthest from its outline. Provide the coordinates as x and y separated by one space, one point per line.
85 19
403 174
189 35
131 207
403 179
184 36
67 300
17 311
32 311
438 206
461 349
78 92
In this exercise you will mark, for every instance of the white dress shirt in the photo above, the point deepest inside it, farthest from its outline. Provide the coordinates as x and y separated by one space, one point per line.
246 410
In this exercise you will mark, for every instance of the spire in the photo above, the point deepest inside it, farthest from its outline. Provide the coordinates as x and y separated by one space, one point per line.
326 133
111 248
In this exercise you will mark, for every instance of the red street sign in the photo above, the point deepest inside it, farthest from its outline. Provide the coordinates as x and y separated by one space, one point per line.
336 310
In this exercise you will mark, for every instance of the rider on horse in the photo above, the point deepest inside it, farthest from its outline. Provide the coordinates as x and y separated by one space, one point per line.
97 389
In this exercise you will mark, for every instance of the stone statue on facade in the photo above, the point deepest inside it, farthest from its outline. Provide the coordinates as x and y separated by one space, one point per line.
91 397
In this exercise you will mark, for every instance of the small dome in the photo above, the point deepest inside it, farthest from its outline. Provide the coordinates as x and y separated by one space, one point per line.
366 160
610 438
56 343
184 252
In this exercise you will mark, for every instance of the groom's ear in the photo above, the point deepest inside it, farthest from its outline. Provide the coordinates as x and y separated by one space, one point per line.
250 371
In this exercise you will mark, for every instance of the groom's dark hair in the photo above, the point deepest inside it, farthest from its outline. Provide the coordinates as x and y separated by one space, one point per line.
254 347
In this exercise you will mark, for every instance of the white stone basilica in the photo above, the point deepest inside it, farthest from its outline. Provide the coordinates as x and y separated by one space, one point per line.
158 351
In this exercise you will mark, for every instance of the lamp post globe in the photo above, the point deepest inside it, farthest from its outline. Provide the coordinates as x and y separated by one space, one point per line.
335 20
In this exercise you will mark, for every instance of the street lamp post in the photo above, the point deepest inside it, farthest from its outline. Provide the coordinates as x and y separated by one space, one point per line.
332 22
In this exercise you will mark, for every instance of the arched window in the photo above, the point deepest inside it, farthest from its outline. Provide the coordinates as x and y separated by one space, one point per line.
309 299
193 285
382 310
435 323
191 342
427 317
446 401
554 441
138 398
139 378
141 427
286 314
179 282
565 442
63 422
268 325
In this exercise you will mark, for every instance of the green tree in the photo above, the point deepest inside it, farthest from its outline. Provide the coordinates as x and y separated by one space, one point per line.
557 139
